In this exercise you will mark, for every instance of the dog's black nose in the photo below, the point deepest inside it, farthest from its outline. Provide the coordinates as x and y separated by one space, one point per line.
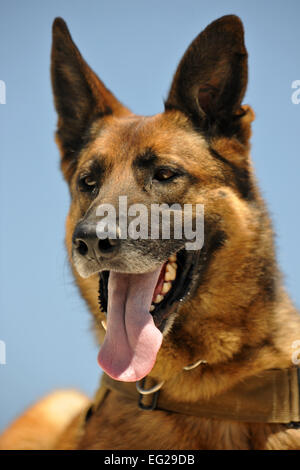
87 242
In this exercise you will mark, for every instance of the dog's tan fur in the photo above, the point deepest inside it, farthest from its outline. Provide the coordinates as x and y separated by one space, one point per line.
240 320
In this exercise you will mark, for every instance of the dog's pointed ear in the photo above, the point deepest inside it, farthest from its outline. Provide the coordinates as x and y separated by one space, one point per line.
79 95
211 79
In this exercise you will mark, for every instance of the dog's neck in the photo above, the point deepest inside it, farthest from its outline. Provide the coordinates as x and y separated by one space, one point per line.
241 321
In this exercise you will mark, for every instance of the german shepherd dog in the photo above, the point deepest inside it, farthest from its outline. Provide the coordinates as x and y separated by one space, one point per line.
209 333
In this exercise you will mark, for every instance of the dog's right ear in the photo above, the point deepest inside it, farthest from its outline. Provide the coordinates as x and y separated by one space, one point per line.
211 79
79 96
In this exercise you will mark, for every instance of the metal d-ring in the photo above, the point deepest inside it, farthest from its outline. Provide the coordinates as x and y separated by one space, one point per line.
153 389
150 391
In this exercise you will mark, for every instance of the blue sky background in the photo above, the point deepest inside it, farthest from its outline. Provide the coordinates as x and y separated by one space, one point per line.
134 46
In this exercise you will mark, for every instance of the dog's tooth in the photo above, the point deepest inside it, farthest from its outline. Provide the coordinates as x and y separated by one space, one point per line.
152 308
158 299
104 324
170 274
166 287
170 267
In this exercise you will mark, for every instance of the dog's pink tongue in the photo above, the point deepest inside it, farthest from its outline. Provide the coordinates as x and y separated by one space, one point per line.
132 340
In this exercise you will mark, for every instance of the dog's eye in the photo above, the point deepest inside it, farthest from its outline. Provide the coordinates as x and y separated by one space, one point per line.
164 174
88 184
89 181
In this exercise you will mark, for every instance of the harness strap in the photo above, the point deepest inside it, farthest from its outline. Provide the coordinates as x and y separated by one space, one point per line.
272 396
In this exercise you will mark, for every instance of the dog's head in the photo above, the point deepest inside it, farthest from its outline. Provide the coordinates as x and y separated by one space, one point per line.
195 152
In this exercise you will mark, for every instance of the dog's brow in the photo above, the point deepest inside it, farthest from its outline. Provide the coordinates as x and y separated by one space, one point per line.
146 159
96 165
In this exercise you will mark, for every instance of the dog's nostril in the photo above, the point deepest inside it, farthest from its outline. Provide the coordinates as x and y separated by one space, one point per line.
82 247
107 244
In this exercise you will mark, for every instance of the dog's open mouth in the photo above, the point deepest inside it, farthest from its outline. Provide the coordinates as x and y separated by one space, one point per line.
139 307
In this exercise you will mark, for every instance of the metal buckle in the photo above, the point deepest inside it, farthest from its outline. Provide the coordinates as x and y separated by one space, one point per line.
142 392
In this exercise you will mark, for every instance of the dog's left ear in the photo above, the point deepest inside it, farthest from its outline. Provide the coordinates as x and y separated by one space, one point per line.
211 79
79 96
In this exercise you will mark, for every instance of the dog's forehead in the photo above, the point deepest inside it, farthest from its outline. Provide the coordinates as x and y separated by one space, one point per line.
122 140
